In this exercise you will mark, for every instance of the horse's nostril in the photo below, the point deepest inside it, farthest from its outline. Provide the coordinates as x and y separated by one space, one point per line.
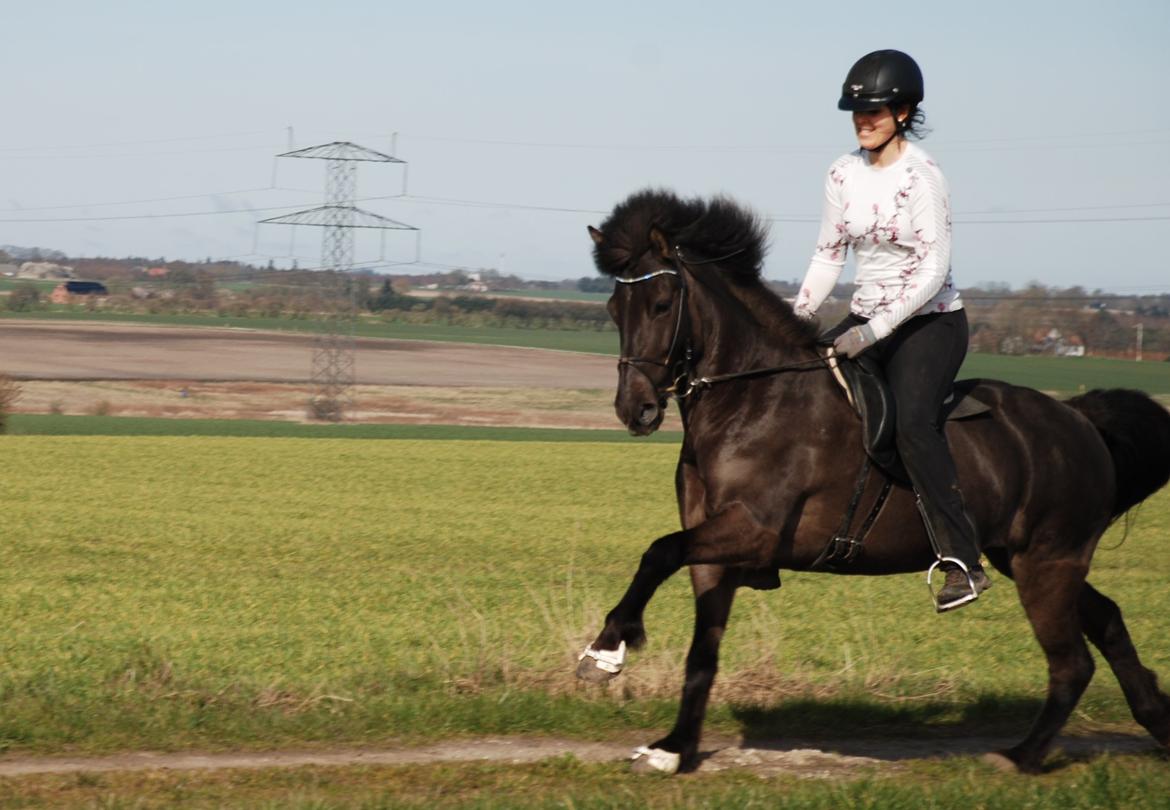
649 413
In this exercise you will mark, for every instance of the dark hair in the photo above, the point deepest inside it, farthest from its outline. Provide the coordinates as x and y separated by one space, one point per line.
915 124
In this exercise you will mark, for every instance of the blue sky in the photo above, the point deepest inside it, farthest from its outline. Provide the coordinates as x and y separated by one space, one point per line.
1040 111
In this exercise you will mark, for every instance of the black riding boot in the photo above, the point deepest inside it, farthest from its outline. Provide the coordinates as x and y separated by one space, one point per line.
952 536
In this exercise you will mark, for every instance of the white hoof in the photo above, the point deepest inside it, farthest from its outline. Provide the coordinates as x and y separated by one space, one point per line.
646 759
610 661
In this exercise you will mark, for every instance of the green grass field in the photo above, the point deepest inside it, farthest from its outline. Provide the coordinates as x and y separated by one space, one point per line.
553 295
173 593
45 286
270 573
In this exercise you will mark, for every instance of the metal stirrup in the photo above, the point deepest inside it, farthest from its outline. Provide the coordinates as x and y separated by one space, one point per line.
966 572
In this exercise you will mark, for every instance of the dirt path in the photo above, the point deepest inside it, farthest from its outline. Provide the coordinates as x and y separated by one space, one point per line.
495 406
218 373
53 350
819 759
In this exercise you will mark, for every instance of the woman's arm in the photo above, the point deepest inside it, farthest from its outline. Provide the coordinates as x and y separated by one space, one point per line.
930 218
832 248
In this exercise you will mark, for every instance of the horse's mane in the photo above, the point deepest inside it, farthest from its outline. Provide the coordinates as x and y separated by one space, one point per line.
704 229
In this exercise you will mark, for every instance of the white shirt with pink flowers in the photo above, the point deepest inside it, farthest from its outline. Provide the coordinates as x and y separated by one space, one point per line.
897 219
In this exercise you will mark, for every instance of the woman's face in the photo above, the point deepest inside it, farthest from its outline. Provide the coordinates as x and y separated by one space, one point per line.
874 127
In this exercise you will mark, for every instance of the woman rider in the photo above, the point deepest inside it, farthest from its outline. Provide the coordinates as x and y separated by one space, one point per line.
889 202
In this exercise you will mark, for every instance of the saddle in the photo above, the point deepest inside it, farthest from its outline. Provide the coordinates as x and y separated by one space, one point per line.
866 388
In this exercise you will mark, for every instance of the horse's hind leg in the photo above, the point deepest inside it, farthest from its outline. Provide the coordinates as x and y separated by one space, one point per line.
1050 591
714 591
1106 629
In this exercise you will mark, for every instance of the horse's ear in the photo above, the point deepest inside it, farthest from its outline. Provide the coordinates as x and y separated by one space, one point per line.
659 243
597 235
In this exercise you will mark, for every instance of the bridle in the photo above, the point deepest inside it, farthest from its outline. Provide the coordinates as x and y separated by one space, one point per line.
626 360
678 370
681 371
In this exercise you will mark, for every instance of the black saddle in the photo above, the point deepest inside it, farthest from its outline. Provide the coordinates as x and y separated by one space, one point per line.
875 405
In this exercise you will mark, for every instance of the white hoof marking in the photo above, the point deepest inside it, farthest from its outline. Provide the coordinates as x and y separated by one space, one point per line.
609 660
658 759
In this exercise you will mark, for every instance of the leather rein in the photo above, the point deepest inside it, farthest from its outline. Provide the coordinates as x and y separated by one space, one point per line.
684 380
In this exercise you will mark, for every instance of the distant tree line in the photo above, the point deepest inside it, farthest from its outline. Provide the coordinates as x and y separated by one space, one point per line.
1035 319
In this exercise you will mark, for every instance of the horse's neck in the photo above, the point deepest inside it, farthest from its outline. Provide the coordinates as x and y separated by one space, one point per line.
745 329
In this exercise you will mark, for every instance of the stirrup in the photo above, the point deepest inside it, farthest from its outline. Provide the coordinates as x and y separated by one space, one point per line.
966 572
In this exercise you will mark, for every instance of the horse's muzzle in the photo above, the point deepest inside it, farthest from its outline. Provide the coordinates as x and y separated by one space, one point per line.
638 404
649 418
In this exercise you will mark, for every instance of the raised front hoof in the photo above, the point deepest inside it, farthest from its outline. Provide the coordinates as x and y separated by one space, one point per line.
601 666
655 760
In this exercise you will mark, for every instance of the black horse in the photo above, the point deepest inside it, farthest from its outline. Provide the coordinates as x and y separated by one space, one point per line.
772 448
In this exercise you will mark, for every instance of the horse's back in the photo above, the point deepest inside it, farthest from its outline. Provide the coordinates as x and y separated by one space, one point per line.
1031 464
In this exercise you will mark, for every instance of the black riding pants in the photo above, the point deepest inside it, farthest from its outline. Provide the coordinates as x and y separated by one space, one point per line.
920 360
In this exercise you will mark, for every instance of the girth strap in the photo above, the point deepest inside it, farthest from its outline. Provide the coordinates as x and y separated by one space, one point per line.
842 549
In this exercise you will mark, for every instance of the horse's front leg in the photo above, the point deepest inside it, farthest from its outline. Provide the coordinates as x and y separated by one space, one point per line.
732 537
714 588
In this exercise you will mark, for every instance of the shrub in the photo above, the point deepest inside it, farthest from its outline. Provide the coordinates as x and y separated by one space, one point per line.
24 297
9 394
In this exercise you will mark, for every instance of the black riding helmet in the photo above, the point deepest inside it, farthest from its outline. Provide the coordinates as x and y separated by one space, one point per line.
879 79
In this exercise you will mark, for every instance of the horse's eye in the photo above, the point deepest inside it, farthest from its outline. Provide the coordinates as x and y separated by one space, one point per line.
662 307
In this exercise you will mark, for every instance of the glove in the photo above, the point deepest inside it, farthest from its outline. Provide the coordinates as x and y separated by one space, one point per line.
854 341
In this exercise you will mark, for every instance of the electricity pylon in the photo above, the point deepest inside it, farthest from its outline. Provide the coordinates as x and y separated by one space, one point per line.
334 346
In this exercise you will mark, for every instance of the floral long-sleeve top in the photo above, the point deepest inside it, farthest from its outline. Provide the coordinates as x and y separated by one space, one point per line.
897 219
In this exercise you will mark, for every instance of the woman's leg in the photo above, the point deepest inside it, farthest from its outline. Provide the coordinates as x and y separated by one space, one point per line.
921 360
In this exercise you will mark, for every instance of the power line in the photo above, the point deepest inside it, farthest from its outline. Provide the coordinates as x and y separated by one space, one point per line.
991 144
134 143
997 211
177 214
144 201
564 209
139 155
489 204
1071 141
1060 221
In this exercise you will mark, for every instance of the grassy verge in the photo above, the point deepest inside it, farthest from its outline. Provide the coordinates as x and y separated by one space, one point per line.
1135 783
177 593
67 425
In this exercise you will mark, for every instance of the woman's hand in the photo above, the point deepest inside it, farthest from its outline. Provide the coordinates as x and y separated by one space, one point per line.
854 341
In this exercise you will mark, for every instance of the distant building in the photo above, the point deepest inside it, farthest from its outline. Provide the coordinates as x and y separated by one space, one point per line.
1051 341
44 270
69 290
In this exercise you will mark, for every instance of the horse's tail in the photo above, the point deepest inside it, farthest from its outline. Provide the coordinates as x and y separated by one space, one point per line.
1136 429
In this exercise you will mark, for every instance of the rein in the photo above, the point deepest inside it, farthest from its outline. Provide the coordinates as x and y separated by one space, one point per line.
693 384
706 382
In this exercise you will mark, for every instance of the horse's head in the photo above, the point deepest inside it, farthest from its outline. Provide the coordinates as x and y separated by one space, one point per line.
649 307
687 289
